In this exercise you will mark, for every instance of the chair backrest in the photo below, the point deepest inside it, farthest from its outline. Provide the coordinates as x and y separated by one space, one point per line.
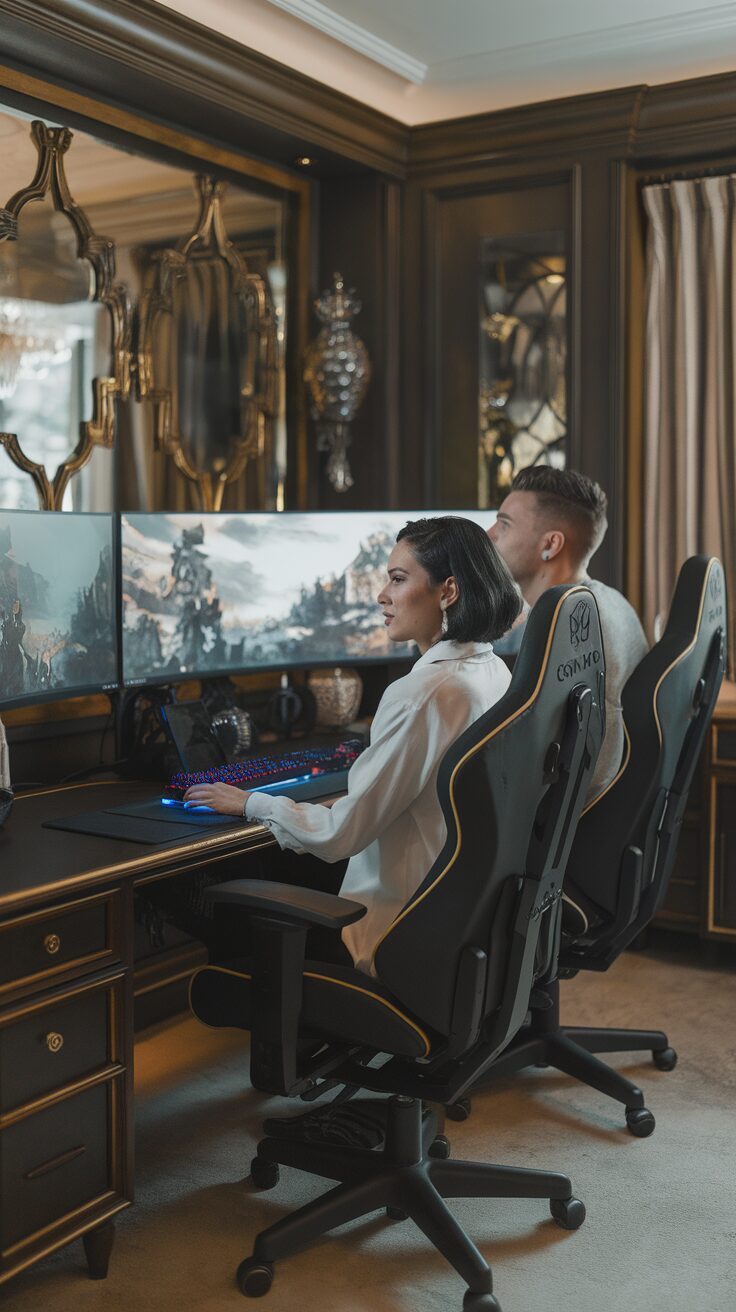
626 840
511 789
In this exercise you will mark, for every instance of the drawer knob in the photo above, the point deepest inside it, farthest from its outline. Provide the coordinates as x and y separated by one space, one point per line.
54 1041
52 943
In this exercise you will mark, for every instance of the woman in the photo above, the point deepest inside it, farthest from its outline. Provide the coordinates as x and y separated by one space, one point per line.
449 592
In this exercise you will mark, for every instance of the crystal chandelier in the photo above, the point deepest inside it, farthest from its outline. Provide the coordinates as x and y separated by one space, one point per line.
30 344
11 349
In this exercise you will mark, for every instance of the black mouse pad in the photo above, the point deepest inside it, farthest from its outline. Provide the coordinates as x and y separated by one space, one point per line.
132 828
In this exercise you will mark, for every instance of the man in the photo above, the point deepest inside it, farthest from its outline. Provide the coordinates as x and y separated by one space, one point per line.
547 529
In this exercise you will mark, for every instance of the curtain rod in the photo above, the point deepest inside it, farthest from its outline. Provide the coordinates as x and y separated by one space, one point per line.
687 175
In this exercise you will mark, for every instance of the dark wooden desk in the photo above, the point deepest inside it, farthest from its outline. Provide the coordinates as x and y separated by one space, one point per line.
66 1016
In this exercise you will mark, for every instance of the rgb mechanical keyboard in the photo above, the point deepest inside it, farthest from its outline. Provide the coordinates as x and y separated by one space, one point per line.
266 773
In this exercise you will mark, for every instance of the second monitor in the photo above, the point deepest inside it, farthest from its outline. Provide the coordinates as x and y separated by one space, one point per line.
206 595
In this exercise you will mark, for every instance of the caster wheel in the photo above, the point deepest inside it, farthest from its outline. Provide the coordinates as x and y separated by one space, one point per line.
396 1214
480 1302
254 1278
265 1175
458 1111
665 1059
640 1122
440 1147
567 1212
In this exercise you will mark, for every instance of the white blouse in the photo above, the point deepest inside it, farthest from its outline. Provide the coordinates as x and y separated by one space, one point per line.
390 822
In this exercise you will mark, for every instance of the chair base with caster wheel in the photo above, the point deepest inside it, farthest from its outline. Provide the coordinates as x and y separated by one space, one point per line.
571 1049
409 1178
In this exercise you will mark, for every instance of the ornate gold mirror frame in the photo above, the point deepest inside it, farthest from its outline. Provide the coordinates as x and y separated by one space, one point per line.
50 179
257 358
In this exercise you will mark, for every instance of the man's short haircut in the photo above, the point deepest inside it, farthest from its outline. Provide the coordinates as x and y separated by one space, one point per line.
489 600
571 498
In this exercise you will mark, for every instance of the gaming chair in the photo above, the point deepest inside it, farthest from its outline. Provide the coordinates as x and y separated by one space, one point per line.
453 973
624 848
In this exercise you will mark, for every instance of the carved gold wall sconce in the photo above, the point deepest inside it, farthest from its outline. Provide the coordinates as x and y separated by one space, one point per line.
207 353
23 331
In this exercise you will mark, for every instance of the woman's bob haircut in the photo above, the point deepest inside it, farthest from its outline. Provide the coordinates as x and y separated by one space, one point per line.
489 600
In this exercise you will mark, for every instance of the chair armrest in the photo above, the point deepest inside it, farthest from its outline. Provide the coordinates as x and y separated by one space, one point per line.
304 905
280 917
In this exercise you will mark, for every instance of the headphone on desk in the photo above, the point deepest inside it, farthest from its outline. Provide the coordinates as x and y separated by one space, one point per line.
291 708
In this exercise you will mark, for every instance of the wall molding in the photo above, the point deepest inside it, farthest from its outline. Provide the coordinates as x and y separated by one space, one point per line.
150 60
356 37
155 61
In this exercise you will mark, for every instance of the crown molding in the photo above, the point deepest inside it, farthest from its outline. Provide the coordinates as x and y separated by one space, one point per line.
356 37
154 61
687 118
548 129
150 61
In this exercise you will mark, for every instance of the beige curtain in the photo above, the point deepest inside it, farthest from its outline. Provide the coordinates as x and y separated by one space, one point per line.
689 467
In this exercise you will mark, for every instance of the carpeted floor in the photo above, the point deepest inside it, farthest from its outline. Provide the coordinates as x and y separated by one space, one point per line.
661 1229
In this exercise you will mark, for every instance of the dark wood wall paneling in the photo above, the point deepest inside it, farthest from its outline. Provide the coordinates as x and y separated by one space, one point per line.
359 237
537 166
384 194
602 144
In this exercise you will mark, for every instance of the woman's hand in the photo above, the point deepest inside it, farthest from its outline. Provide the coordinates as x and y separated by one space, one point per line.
220 797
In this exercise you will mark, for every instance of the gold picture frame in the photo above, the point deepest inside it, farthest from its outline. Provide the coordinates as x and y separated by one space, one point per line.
49 179
156 367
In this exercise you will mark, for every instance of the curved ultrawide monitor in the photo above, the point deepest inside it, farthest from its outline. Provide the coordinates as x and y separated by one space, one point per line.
58 631
206 595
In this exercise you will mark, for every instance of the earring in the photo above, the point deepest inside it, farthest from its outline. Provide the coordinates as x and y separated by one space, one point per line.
444 626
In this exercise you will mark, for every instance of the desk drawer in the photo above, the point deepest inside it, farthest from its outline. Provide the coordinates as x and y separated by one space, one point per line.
53 1164
35 949
44 1048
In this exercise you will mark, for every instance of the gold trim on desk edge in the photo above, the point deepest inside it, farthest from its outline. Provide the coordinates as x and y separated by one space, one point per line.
41 891
66 788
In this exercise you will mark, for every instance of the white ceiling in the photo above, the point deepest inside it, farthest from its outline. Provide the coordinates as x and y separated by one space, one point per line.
422 60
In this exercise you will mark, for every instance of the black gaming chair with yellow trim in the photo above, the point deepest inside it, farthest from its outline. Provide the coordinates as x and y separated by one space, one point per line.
625 845
454 972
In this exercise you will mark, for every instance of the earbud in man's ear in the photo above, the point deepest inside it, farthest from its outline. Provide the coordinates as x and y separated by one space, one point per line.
546 554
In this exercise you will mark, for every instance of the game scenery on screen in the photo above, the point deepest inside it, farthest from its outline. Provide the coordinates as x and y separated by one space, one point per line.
211 593
57 604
